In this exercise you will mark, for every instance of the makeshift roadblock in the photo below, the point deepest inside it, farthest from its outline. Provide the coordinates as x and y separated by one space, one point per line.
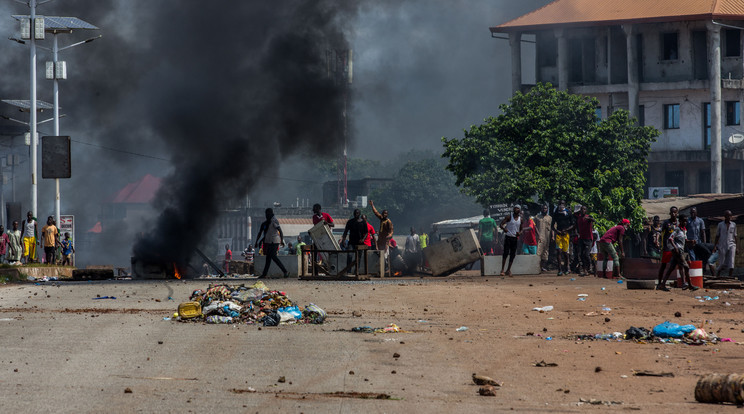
246 304
528 264
451 254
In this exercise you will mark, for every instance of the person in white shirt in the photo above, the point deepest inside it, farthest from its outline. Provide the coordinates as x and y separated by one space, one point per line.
511 225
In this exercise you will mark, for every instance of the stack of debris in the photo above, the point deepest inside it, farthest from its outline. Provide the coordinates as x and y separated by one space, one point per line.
246 304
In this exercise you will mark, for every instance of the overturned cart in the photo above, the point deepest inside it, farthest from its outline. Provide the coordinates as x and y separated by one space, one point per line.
452 254
324 259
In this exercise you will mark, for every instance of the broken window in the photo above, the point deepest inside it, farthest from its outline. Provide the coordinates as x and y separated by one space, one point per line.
732 38
669 46
733 113
671 116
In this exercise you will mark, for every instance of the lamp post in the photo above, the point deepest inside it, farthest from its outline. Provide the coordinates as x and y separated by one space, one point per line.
55 70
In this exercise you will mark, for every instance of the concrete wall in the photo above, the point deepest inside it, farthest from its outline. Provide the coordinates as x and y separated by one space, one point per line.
523 265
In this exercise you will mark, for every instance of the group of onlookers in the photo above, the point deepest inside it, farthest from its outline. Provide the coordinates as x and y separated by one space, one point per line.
18 245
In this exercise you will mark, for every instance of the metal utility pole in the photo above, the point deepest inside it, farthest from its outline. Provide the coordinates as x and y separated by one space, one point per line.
34 142
340 69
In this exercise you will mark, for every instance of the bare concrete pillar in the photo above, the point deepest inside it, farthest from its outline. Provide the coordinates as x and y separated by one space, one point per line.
714 48
515 41
562 60
633 86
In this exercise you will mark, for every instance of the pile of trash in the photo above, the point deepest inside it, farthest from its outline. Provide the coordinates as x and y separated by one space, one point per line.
246 304
666 332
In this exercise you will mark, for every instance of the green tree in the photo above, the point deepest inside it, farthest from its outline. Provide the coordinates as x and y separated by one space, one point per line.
422 192
550 143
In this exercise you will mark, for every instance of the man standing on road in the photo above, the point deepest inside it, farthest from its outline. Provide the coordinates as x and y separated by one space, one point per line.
486 230
606 247
726 243
511 226
319 216
411 251
667 228
273 237
356 229
51 240
695 232
386 228
544 222
29 232
370 241
585 227
562 226
530 236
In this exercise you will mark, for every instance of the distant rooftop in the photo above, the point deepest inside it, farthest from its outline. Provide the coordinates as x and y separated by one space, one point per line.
611 12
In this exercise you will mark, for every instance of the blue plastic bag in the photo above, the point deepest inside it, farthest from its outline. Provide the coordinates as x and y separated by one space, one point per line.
672 330
292 310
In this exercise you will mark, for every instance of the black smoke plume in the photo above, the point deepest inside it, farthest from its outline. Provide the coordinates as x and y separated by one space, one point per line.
257 91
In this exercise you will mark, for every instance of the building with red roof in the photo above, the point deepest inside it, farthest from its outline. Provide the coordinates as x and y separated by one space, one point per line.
676 66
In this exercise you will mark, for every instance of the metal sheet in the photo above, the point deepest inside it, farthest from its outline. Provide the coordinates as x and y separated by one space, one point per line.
52 23
453 253
26 103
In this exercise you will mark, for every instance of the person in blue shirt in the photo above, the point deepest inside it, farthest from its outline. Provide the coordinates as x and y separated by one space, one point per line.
67 250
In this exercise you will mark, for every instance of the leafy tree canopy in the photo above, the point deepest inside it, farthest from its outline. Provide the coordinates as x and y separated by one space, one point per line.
550 144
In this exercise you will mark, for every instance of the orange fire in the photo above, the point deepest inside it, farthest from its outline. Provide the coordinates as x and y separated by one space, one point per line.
176 273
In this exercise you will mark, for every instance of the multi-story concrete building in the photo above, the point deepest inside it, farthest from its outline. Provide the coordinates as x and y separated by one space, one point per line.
676 66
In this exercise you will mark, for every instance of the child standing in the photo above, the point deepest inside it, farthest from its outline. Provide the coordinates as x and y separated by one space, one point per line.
67 250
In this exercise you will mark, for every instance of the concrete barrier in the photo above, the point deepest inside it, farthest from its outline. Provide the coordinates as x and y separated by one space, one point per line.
290 262
523 265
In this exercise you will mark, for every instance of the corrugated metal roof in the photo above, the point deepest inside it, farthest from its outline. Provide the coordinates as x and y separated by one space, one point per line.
604 12
708 205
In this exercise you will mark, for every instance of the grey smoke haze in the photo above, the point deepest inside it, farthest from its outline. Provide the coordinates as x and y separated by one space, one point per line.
187 80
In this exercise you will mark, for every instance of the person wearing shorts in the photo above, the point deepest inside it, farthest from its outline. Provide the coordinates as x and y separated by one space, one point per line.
511 226
607 248
680 258
530 237
486 233
562 226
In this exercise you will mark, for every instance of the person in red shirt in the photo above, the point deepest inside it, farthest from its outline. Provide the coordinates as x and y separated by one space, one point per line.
370 239
319 216
607 248
585 227
228 257
530 237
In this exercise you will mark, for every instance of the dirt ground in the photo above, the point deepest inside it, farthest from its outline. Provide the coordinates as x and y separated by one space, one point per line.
62 351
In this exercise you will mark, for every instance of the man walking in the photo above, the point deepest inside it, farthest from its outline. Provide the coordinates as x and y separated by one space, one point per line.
679 256
585 227
726 244
695 232
511 226
606 247
273 238
562 226
544 222
486 230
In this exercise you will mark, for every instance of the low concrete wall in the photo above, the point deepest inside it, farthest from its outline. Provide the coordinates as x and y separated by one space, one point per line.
523 265
290 262
51 271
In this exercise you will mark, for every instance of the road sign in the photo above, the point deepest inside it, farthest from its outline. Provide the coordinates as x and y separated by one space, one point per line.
66 225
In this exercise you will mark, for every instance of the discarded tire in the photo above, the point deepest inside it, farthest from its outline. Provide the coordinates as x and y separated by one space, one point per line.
640 284
720 388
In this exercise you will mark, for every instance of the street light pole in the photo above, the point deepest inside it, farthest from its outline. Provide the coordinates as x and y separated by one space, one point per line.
55 51
34 189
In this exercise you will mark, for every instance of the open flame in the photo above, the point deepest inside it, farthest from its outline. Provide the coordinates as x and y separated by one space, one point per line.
176 273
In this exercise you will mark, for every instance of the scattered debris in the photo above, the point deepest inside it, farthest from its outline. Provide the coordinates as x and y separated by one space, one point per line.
246 304
282 379
544 364
487 391
392 328
543 309
462 329
484 380
127 390
594 401
653 374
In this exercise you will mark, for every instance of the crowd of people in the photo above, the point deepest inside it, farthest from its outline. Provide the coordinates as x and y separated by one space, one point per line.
19 245
577 243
